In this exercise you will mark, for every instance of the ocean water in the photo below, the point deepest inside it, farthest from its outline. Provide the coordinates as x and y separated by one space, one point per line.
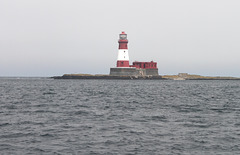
45 116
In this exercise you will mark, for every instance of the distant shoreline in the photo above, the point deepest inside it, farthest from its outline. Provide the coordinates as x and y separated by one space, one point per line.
186 76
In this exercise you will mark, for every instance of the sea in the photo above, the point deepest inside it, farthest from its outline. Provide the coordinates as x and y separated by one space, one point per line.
98 117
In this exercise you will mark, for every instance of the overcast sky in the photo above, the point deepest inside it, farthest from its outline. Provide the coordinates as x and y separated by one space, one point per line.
54 37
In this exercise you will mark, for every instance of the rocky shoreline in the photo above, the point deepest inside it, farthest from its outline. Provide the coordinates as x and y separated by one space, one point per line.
180 76
110 77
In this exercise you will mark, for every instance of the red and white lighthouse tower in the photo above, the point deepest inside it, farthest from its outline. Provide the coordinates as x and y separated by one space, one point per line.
123 58
123 68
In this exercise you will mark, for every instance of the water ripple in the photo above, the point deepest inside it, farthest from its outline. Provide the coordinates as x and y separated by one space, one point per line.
42 116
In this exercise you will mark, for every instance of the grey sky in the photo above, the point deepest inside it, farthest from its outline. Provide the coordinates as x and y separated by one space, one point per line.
54 37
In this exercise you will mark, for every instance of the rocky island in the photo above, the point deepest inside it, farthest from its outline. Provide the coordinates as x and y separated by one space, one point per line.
180 76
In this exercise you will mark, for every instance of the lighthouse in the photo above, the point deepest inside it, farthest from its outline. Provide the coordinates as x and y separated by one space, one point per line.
123 57
123 68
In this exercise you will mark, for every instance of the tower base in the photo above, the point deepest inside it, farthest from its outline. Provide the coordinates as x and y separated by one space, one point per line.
132 71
